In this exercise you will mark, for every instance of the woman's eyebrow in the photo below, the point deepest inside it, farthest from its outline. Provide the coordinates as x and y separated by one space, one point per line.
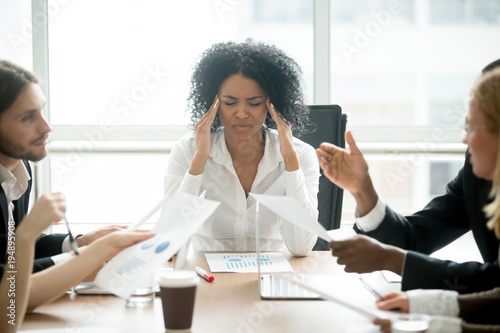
248 99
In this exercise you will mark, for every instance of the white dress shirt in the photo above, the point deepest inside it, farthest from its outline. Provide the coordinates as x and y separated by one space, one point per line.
15 184
373 219
231 228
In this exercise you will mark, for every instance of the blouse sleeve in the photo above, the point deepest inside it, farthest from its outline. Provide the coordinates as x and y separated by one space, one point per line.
433 301
303 185
177 177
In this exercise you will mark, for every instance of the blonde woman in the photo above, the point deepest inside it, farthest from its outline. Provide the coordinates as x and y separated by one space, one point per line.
477 312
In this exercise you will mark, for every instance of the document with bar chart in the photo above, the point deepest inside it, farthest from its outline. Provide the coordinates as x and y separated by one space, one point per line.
270 262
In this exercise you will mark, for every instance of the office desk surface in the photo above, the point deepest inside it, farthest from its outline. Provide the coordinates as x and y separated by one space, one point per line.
229 304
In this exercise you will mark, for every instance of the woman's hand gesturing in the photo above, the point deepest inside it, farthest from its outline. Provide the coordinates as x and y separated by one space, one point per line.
286 138
202 134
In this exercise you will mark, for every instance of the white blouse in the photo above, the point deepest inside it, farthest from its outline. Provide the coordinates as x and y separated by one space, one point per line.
231 228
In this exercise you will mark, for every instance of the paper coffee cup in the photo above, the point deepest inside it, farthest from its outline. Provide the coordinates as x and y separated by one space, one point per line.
178 291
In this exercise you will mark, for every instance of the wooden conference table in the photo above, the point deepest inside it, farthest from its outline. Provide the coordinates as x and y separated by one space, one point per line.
229 304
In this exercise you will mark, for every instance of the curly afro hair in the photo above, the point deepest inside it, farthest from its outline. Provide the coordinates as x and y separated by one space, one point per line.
276 73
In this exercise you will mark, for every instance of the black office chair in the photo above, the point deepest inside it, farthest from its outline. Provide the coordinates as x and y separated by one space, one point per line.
330 124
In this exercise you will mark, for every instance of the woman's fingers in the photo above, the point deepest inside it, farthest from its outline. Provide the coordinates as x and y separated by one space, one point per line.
207 119
278 119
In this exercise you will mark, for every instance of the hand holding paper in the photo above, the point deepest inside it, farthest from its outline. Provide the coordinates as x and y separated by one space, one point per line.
133 267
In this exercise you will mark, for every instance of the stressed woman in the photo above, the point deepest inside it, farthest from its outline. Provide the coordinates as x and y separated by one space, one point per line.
245 100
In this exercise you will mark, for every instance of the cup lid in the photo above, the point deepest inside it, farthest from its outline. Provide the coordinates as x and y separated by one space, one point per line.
178 279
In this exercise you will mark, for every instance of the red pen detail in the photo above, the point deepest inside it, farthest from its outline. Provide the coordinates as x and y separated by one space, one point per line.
204 274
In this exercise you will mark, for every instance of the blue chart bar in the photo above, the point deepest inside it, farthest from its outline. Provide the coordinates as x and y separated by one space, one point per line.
131 265
246 261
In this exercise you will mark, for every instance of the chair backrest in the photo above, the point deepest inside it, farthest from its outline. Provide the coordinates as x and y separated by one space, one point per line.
330 125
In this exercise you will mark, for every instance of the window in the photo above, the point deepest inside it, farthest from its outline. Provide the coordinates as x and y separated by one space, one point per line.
120 72
470 12
129 62
16 35
119 76
409 65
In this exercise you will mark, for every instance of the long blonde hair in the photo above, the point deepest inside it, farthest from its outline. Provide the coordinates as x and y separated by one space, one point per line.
486 92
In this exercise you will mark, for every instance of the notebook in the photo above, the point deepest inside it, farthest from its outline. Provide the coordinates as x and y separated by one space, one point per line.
274 287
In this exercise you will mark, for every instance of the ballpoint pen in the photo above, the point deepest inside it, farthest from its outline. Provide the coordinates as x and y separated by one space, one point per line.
370 289
72 241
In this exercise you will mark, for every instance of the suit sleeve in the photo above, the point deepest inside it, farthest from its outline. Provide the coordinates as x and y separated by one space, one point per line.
38 265
443 220
49 245
422 271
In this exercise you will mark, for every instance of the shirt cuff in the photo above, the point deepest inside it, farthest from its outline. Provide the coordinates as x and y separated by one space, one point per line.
372 220
191 184
435 302
65 245
294 181
439 324
60 258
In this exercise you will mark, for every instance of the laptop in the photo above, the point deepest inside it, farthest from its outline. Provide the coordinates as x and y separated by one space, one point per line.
275 287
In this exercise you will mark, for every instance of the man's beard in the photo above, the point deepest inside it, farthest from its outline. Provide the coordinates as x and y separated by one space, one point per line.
13 150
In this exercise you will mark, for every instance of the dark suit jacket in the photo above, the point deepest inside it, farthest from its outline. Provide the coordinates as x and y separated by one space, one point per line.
46 245
443 220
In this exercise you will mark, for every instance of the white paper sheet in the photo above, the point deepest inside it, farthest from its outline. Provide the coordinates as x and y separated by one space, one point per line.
247 262
135 266
163 201
289 209
342 233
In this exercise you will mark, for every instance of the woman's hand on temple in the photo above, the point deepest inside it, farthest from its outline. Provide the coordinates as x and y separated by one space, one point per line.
202 134
286 138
